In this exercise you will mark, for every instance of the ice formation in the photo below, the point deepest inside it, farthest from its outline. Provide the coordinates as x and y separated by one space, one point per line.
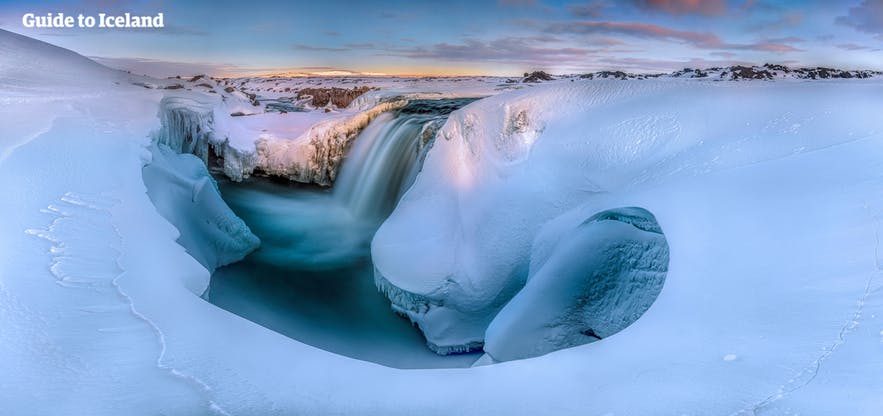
304 148
233 131
181 189
584 285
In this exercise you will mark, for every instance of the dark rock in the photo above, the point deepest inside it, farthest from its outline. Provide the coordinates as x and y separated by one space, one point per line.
537 76
339 97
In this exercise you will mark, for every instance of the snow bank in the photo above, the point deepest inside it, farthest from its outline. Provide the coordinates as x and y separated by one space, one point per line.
585 285
465 227
184 193
457 247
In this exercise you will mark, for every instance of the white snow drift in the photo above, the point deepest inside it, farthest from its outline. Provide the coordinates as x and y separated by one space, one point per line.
585 284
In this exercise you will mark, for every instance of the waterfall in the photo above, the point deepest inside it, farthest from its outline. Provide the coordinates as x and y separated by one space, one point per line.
312 278
384 161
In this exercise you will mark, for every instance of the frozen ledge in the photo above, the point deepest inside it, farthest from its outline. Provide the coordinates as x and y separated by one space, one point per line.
189 126
415 307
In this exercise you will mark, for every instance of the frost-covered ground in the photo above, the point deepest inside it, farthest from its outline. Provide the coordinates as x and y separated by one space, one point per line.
769 195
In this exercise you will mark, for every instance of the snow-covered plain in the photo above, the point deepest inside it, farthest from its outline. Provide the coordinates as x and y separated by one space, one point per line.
769 195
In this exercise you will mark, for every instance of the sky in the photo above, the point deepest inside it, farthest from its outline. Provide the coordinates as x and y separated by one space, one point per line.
453 37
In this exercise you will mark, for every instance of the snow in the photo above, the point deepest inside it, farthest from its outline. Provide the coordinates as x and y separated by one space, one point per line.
590 282
183 192
769 195
608 138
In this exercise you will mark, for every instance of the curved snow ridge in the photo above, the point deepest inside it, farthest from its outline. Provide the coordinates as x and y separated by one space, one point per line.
637 217
415 307
86 248
601 276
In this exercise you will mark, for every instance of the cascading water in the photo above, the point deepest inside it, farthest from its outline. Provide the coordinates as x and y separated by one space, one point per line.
312 277
387 156
382 164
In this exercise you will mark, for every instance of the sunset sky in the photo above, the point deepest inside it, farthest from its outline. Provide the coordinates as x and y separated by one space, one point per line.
505 37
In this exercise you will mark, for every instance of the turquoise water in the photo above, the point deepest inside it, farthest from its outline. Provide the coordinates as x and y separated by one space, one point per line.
312 277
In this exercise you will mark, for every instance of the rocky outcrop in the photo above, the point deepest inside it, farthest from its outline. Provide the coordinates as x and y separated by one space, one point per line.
537 76
338 97
741 72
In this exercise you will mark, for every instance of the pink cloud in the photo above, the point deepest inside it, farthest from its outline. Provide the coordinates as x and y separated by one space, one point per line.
703 40
684 7
633 29
866 17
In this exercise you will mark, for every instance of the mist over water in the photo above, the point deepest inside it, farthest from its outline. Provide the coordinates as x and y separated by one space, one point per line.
312 277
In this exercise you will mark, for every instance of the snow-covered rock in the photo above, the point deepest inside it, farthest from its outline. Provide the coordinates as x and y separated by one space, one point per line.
586 284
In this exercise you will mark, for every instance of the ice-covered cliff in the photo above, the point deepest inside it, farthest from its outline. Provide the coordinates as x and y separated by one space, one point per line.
241 134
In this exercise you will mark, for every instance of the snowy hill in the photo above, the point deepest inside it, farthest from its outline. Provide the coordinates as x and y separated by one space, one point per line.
26 61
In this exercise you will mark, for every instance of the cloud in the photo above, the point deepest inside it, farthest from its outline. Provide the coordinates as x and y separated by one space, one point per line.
593 9
161 69
856 47
643 30
305 71
665 65
706 8
302 47
762 46
365 45
517 50
784 20
269 26
607 42
346 47
651 31
866 17
517 2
